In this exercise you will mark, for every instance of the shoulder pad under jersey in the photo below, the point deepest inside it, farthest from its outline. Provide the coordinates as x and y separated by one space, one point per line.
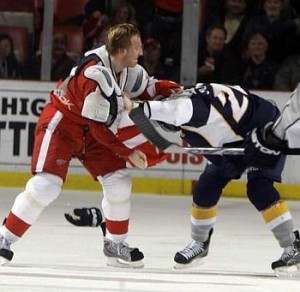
102 54
137 81
105 80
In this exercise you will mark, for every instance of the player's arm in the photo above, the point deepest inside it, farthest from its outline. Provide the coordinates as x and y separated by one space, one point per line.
264 145
101 107
262 148
160 88
107 138
287 127
177 111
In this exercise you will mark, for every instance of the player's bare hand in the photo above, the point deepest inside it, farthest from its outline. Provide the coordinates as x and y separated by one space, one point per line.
138 159
167 88
129 104
176 91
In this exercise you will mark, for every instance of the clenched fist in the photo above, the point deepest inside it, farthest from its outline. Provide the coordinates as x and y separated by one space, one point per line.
138 159
129 104
167 88
258 152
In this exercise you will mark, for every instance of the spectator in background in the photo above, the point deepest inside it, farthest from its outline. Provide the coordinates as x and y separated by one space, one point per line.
96 23
153 63
215 61
234 20
280 30
213 8
233 16
291 8
145 10
62 63
288 75
123 13
96 5
10 68
166 27
259 72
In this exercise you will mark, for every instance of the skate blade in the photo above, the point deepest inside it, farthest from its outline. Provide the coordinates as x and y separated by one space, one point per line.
3 261
119 263
288 272
195 263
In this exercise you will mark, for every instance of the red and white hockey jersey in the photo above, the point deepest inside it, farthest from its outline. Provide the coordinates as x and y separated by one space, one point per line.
137 84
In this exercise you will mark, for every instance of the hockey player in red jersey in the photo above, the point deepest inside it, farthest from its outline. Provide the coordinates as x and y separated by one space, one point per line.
82 120
73 124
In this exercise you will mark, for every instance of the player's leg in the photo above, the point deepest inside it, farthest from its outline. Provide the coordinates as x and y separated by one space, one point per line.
42 188
203 216
110 170
39 192
276 214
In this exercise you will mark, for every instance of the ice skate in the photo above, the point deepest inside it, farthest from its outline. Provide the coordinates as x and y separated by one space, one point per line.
289 263
191 255
6 254
121 255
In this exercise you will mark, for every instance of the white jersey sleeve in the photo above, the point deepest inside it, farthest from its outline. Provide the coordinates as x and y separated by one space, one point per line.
287 127
176 111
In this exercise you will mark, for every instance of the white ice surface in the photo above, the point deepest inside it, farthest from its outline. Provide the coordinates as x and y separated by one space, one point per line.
56 256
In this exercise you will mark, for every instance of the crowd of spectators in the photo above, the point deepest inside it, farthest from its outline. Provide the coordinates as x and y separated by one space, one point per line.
254 43
260 36
61 63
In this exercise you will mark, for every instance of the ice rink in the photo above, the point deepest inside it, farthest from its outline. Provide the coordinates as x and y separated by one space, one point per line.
56 256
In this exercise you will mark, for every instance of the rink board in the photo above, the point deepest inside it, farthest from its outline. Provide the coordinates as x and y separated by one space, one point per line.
21 103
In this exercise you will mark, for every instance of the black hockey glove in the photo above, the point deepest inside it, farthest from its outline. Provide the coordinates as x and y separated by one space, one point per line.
258 151
85 217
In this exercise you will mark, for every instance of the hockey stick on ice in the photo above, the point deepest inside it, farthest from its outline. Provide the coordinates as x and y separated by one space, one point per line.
145 126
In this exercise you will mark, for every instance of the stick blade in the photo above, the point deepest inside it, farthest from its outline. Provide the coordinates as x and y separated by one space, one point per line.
146 127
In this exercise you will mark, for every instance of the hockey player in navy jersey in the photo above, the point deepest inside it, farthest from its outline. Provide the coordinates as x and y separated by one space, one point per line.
221 116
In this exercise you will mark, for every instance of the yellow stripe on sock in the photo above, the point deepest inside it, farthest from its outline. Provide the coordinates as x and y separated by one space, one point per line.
202 214
275 211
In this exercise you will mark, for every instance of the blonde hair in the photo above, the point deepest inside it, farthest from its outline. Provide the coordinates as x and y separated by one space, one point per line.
119 37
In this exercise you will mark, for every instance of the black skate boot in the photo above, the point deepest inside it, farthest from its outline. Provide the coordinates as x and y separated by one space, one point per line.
121 255
289 263
6 254
190 255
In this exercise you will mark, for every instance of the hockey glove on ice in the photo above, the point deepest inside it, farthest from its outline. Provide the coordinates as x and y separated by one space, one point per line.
85 217
258 151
